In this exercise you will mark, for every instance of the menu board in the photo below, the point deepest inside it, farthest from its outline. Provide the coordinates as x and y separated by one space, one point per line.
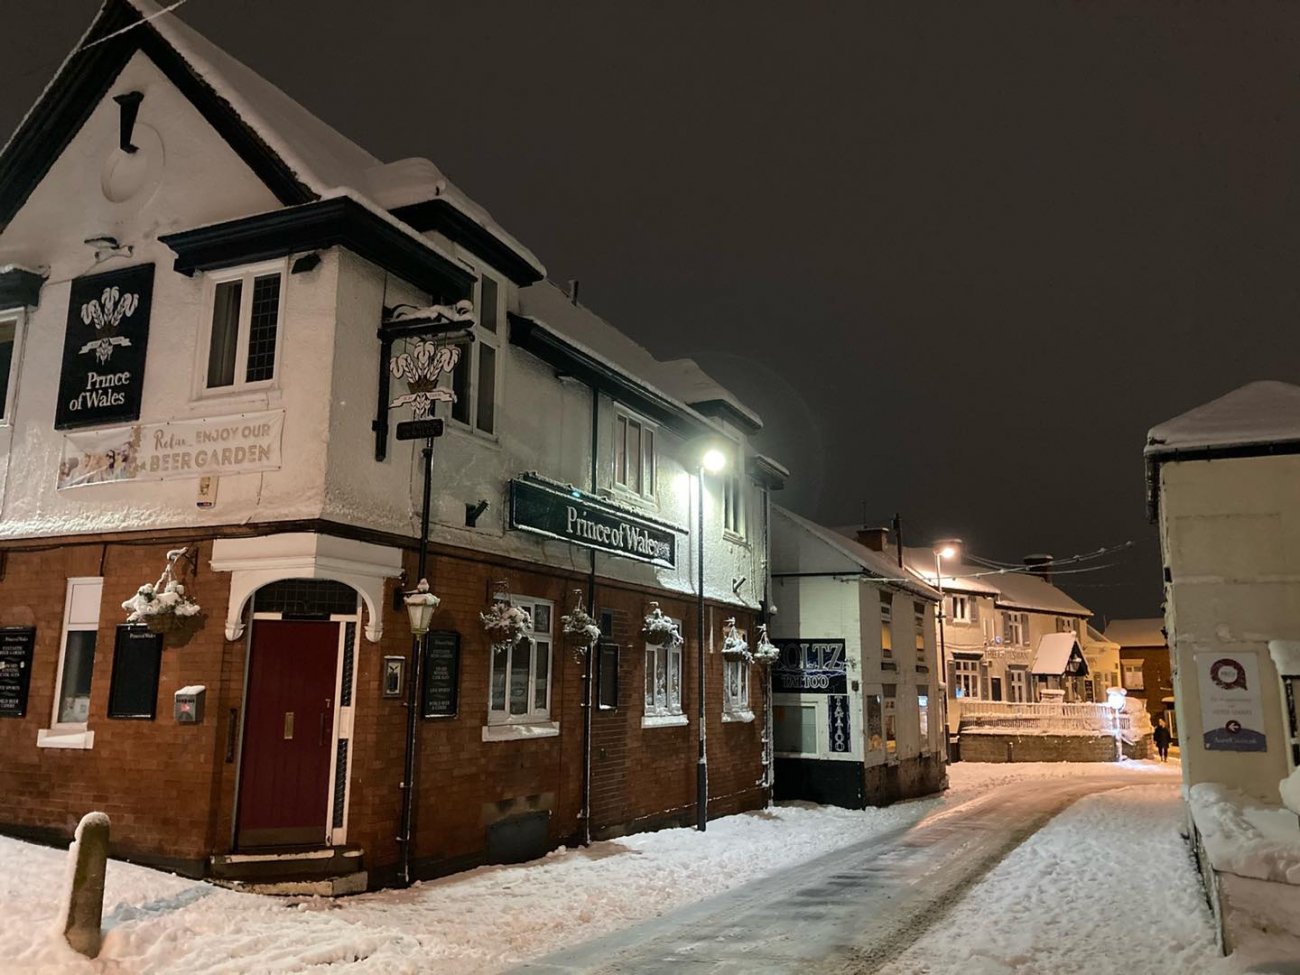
16 646
137 658
440 694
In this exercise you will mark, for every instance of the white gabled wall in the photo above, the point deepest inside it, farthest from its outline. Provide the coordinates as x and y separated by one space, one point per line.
201 180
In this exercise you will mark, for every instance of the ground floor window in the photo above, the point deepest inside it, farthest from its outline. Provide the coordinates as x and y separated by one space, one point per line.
521 672
1018 685
891 718
663 680
735 685
794 729
966 678
77 654
923 709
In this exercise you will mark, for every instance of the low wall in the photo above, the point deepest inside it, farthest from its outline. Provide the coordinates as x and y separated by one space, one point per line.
910 778
1001 747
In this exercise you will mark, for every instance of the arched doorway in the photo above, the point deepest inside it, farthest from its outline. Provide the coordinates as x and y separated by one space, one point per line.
293 767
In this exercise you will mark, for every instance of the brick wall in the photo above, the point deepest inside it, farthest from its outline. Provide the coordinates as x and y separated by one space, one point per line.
1047 748
169 789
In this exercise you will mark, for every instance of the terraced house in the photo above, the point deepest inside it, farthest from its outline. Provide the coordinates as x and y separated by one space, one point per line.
221 324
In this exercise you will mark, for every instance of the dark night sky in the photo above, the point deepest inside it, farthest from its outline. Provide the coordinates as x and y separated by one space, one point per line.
960 258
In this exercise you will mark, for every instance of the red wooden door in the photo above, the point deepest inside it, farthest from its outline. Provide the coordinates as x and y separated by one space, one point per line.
288 733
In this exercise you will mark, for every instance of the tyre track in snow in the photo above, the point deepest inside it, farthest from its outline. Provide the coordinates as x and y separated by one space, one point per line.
849 911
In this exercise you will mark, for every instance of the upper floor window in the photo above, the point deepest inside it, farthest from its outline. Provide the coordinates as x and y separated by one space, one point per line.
521 673
733 504
634 454
1014 627
887 624
474 380
961 609
10 329
245 310
1066 624
918 621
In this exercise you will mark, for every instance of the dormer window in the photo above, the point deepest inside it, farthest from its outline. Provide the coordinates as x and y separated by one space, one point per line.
244 328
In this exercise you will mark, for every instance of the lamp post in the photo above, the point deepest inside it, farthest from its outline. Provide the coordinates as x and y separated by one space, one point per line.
1115 698
946 548
713 461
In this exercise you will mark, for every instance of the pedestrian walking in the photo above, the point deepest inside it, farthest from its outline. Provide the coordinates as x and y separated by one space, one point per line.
1162 737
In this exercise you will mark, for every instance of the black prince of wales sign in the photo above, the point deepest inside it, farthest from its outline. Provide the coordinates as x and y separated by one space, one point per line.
573 516
104 348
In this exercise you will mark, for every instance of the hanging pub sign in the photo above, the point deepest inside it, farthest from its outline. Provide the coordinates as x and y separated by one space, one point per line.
810 667
102 374
573 516
16 646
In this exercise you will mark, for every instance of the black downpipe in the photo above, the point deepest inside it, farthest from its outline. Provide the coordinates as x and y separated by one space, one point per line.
587 677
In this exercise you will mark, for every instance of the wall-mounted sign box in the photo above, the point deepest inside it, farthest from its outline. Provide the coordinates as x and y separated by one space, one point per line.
17 644
810 667
574 516
440 695
104 348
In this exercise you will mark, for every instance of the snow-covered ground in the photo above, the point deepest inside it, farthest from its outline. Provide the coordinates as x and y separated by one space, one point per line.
494 917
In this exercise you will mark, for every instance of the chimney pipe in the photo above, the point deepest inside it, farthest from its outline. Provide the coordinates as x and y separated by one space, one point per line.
875 539
1040 565
573 290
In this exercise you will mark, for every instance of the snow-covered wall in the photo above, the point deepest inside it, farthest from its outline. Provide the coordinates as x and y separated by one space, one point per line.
186 176
1230 534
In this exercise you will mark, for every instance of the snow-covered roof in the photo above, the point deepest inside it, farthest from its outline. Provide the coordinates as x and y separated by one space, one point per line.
321 157
687 380
1137 633
1054 650
875 564
1024 590
1264 412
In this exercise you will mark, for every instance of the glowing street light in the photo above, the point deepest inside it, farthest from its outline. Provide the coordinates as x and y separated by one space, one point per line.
712 461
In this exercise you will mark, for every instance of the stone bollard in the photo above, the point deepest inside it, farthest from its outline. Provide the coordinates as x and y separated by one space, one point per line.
87 862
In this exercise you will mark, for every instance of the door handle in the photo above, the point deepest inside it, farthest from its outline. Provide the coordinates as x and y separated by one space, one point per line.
288 726
322 727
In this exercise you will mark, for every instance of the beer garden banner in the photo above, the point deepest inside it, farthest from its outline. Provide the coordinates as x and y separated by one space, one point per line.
242 444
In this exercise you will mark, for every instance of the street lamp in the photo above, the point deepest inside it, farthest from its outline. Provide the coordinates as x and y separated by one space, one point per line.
713 461
420 605
944 548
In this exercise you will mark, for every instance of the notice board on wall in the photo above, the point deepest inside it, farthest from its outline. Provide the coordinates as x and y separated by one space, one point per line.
440 695
137 659
17 644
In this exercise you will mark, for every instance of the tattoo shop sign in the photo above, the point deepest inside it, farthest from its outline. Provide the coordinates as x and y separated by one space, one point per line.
810 667
1232 712
102 373
573 516
242 444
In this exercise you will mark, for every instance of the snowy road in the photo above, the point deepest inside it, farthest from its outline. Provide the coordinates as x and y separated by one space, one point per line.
852 910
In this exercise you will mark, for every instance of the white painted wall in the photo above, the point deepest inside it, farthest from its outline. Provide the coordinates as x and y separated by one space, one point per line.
326 382
1230 534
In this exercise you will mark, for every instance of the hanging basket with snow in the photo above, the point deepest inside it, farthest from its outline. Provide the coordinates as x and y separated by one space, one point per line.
765 651
164 606
582 630
658 630
504 623
733 641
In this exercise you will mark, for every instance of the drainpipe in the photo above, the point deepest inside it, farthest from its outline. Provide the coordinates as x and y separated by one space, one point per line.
765 611
588 682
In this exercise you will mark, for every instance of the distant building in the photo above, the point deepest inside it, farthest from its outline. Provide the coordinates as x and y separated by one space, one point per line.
857 709
1145 665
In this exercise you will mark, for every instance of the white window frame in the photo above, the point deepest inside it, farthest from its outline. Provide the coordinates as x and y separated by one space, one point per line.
923 717
1017 686
887 625
1017 624
471 354
654 713
648 461
966 675
72 734
734 509
960 608
534 716
1131 666
735 708
1067 624
888 722
18 317
245 273
918 624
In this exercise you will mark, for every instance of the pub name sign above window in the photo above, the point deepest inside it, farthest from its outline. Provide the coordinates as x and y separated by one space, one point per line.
574 516
102 373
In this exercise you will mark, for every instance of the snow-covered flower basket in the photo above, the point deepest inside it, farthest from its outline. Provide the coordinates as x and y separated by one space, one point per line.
505 623
580 626
733 641
765 651
658 630
163 606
